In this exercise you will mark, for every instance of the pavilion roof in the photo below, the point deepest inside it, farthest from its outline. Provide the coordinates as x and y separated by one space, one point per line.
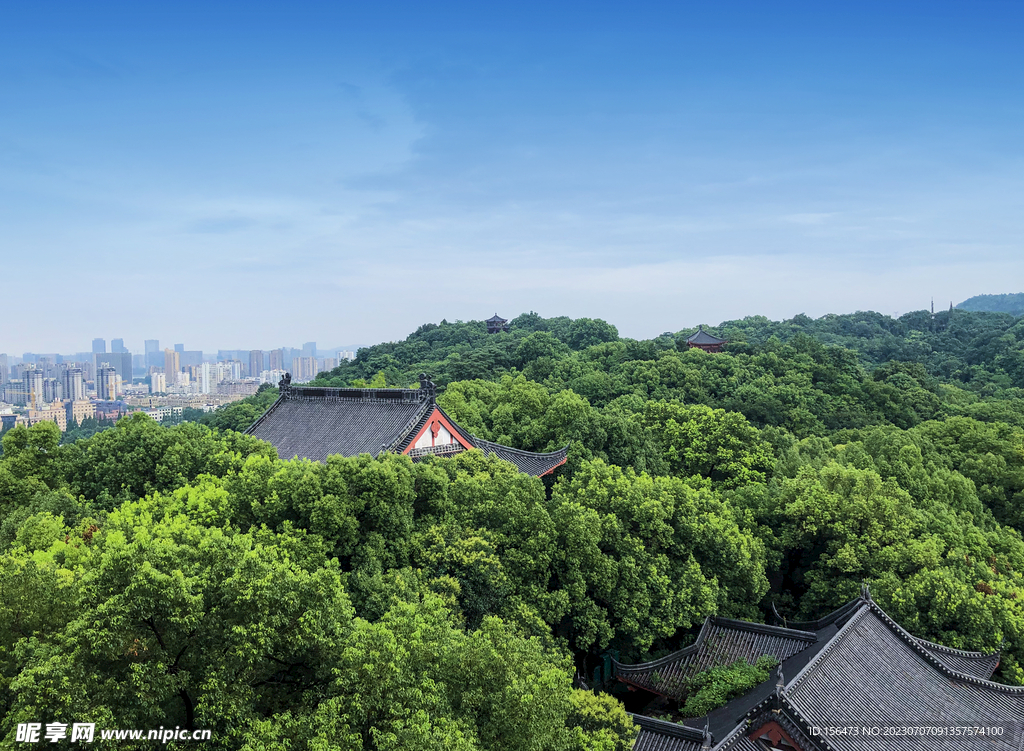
703 337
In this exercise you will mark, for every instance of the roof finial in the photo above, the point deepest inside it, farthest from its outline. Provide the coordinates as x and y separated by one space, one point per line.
428 387
865 591
708 740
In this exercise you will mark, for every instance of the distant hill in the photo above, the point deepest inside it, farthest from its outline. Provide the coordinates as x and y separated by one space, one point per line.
1013 304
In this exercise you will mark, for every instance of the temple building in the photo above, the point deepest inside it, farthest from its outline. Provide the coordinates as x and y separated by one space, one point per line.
496 323
705 341
856 669
314 423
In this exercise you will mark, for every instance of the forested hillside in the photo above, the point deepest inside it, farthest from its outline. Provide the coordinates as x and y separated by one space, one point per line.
1012 304
187 575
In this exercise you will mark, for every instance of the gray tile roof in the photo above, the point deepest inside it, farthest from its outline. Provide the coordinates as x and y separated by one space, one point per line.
978 664
721 641
875 673
658 735
314 423
864 669
527 461
703 337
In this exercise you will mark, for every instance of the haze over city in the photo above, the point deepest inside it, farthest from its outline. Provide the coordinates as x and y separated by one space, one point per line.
247 175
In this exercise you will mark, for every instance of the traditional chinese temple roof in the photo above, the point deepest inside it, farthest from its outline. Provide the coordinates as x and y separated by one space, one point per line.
496 319
703 337
315 422
659 735
859 669
721 641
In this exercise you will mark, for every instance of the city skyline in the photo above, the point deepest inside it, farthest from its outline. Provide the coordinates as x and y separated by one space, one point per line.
178 347
346 173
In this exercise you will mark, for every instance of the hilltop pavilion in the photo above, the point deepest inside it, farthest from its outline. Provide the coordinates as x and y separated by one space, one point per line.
496 323
314 423
705 341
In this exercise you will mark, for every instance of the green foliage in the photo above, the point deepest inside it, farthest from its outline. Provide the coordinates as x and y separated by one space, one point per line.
641 557
140 457
89 427
167 614
186 574
715 687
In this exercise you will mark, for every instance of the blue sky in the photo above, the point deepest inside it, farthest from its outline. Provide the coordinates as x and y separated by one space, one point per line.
257 175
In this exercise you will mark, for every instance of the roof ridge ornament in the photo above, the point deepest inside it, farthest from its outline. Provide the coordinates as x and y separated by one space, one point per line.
428 387
285 383
707 741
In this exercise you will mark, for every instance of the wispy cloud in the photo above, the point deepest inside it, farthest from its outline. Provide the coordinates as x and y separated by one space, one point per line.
809 219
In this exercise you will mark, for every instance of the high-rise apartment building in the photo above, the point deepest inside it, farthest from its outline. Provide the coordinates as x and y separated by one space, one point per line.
255 363
119 361
53 390
99 346
157 383
33 384
154 355
309 349
88 370
172 365
179 348
303 368
5 370
106 383
14 392
328 363
117 345
73 384
277 359
346 354
205 377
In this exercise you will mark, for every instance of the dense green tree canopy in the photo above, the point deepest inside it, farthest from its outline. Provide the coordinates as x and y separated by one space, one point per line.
188 575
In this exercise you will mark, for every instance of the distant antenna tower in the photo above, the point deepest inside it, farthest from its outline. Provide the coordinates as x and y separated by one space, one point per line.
933 307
